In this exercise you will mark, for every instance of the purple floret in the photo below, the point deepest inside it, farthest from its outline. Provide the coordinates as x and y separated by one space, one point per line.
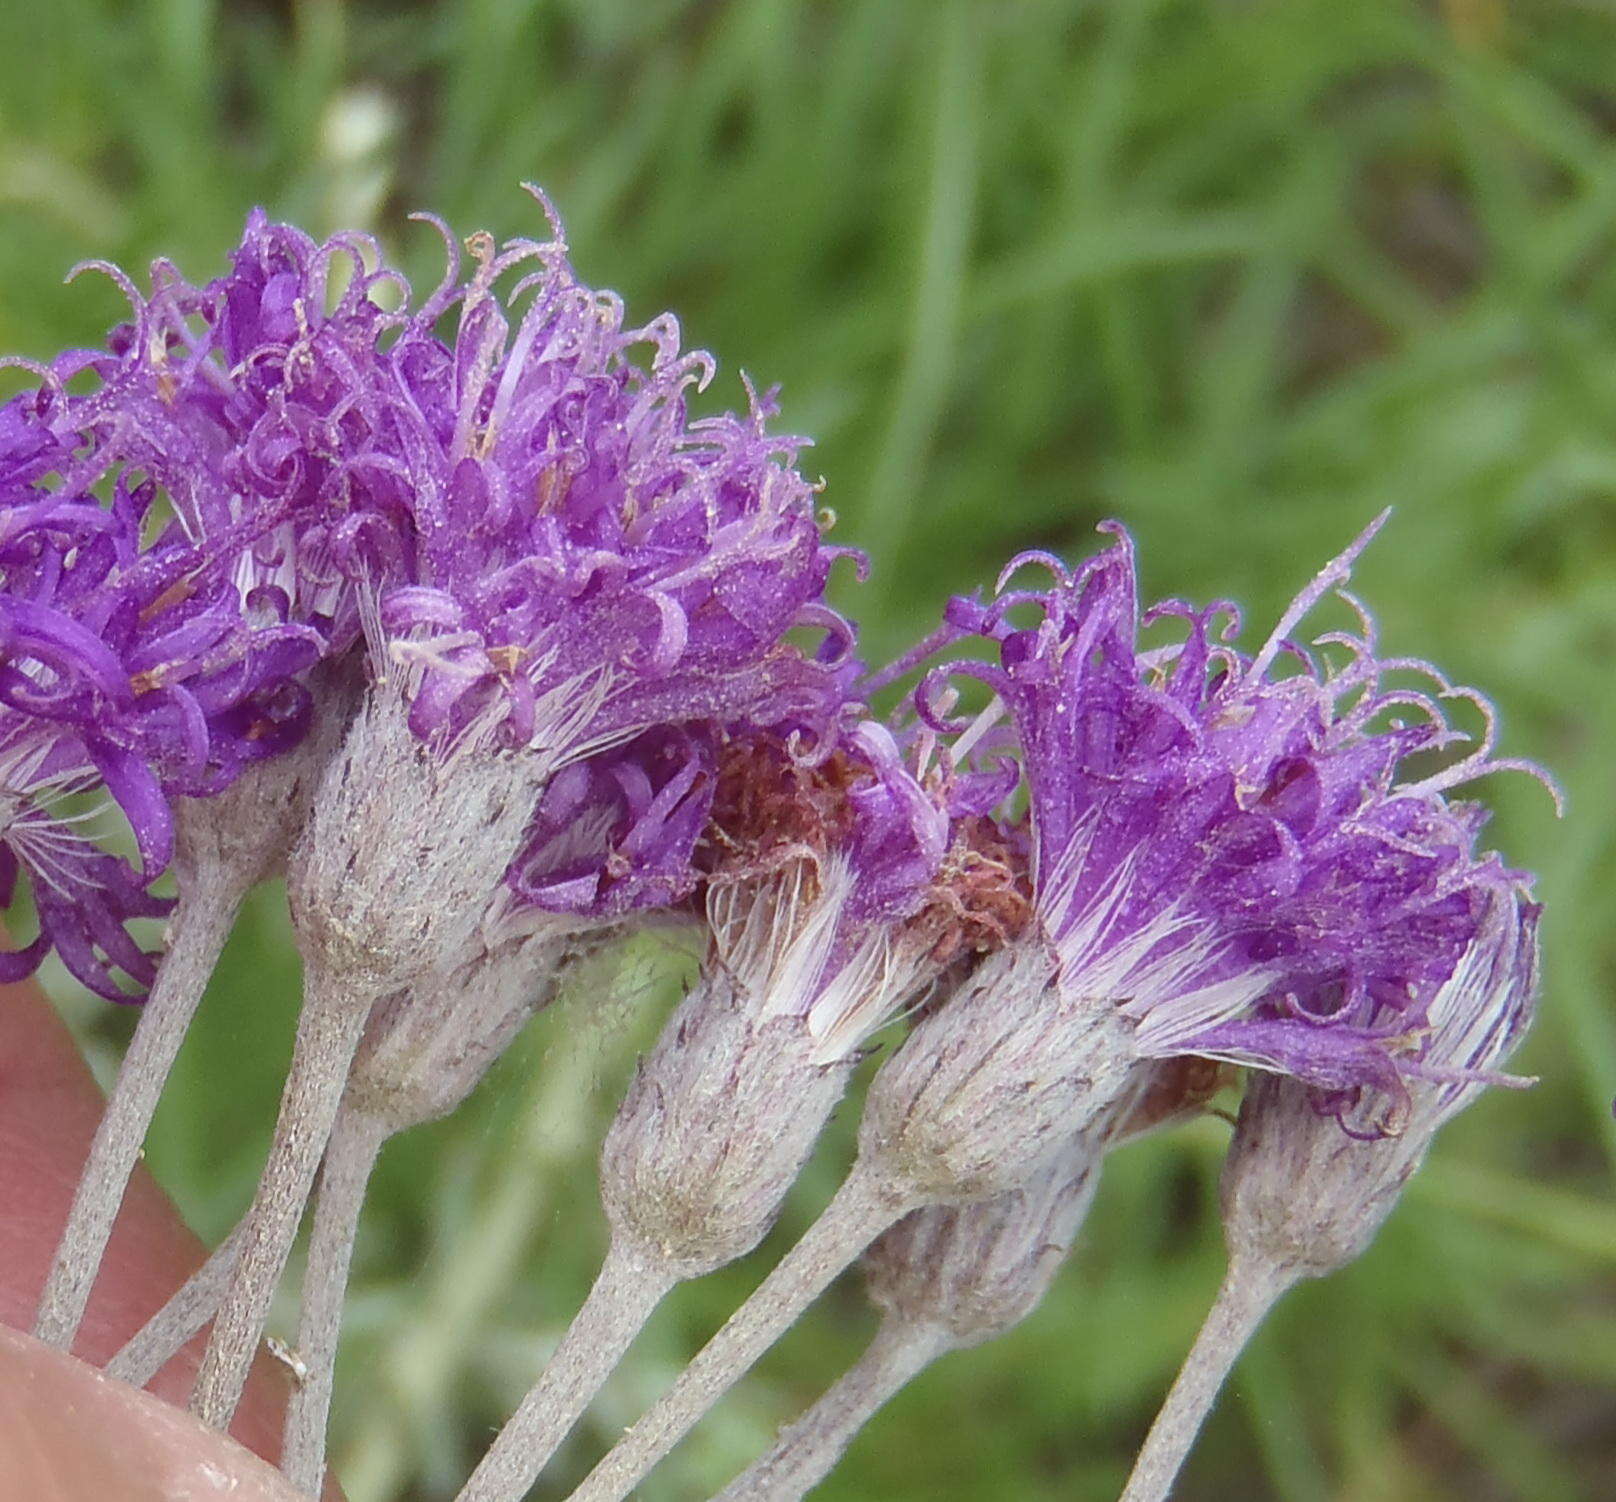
83 896
235 429
182 542
839 889
615 834
263 405
69 729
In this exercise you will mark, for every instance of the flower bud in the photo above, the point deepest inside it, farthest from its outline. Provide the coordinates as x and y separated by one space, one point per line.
837 893
427 1048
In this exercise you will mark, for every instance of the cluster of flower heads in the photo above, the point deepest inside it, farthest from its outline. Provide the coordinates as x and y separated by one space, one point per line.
496 500
516 523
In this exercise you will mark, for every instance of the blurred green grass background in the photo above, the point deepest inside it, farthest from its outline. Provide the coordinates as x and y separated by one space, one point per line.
1238 273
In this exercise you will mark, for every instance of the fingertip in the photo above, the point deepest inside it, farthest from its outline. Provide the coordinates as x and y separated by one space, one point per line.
68 1432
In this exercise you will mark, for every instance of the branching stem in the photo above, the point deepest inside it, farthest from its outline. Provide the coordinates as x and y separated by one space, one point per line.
863 1208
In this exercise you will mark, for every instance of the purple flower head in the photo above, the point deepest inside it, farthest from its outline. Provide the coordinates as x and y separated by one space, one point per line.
839 890
243 430
1227 851
615 834
592 561
182 528
263 406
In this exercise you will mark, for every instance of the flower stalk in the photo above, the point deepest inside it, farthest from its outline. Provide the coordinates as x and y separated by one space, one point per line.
350 1158
184 1316
1302 1198
224 846
624 1296
328 1033
1249 1291
199 927
423 1053
945 1278
808 1450
862 1208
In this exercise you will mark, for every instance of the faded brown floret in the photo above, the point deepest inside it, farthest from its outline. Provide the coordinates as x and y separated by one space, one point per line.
769 810
980 900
